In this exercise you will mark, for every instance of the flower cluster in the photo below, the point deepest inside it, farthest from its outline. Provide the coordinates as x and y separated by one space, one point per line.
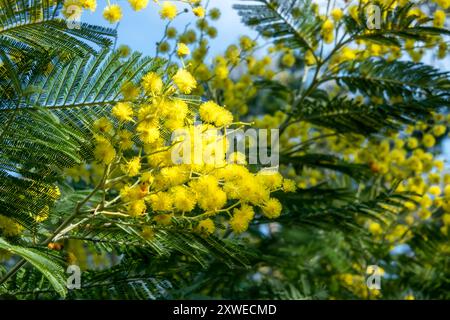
135 151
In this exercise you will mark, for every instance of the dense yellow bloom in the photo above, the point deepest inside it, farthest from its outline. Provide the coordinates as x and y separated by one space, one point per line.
152 83
162 201
435 190
89 4
104 152
123 111
270 180
221 72
375 228
132 167
168 10
241 219
288 60
337 14
183 199
9 228
138 5
199 12
103 125
184 81
289 185
206 226
124 138
183 49
444 4
428 140
309 58
147 133
112 13
210 112
137 208
272 208
439 18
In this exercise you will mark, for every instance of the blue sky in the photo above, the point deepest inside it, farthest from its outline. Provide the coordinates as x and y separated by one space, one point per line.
141 30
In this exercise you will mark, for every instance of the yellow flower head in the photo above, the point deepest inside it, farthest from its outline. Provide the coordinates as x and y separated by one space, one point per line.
123 111
132 167
206 227
104 152
112 13
168 10
152 83
184 81
183 49
9 227
439 18
138 5
210 112
199 12
89 4
337 14
272 208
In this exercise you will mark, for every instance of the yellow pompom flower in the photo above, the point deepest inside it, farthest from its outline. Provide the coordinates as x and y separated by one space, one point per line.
428 140
125 141
337 14
183 49
152 83
112 13
221 72
241 219
206 226
168 10
439 130
288 60
138 5
439 18
104 152
123 111
162 201
412 143
327 31
184 81
183 200
272 208
444 4
375 228
289 185
199 12
210 112
89 4
148 134
447 191
435 190
327 26
9 227
136 208
103 125
213 199
309 58
132 167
